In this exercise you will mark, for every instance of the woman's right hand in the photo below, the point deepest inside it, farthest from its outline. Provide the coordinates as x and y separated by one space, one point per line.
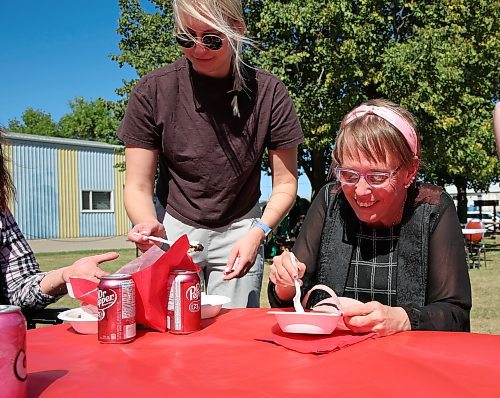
152 227
283 273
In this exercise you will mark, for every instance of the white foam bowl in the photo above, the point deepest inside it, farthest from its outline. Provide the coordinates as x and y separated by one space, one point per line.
80 320
211 304
307 322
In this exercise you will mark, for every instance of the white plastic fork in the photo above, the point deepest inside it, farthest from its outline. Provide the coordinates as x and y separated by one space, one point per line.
195 246
296 299
157 239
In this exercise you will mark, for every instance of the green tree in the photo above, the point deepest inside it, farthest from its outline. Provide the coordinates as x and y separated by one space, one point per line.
34 121
147 41
333 55
329 55
447 73
93 120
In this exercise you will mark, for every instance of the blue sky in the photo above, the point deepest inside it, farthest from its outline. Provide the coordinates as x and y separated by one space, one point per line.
53 51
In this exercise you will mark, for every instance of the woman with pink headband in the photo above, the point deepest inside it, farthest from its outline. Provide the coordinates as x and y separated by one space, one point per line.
377 236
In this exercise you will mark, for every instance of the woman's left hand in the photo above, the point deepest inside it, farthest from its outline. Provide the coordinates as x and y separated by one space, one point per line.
243 254
376 317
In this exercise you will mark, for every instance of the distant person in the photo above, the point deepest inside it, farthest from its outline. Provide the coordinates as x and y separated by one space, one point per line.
207 119
496 126
21 281
378 236
301 207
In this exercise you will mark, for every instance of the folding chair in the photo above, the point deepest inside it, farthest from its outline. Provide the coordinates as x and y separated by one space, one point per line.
45 316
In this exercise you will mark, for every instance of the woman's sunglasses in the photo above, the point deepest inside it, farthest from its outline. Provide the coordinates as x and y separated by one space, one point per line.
212 42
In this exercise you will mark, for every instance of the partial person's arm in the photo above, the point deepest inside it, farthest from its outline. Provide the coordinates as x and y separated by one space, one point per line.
448 298
23 283
284 179
496 126
284 186
281 287
20 272
143 140
139 188
54 282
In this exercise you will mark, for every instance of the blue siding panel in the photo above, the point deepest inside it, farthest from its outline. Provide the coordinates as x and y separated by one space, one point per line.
96 172
35 177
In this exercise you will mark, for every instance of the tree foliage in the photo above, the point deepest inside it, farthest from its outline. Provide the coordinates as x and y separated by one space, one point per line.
329 56
34 121
447 74
438 59
93 120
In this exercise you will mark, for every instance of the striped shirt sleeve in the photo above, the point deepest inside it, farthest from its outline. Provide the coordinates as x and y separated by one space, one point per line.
20 272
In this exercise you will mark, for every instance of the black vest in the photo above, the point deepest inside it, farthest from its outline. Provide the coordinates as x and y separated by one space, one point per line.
339 236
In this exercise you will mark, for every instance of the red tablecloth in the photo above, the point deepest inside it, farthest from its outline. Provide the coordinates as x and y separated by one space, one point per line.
225 360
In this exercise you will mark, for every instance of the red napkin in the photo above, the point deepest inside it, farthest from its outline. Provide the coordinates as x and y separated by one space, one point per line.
83 290
151 285
150 273
314 344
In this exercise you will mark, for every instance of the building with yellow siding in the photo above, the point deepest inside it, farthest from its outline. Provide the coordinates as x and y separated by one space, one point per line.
66 188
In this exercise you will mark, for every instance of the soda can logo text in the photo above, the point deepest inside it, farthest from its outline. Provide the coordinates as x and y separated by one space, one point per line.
106 299
193 292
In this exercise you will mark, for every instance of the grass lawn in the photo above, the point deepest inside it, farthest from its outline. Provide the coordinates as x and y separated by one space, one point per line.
485 315
485 281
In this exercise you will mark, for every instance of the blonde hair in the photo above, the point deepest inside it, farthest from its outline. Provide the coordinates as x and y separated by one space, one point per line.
375 137
226 17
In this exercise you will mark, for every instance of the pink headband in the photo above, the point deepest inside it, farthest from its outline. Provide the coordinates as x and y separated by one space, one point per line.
392 117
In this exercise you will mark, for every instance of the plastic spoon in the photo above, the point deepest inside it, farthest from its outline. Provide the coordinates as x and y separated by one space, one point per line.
296 299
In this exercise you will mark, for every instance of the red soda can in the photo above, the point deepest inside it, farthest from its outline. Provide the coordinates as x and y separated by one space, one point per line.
116 309
12 352
184 302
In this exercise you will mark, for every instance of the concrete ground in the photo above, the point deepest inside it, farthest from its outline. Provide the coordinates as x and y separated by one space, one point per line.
78 244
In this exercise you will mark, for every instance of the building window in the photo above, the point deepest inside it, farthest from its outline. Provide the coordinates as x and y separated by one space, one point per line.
97 201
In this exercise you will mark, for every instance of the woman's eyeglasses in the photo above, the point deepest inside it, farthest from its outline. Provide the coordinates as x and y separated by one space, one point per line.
375 179
211 42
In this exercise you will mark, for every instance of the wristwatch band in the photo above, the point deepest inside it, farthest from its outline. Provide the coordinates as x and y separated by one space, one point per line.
259 224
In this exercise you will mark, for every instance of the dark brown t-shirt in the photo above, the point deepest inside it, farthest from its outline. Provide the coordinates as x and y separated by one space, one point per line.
209 159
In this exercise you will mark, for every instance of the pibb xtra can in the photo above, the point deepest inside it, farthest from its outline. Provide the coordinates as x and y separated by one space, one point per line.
184 302
12 352
116 305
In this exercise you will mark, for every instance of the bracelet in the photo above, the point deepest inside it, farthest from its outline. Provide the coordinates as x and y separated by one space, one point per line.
263 226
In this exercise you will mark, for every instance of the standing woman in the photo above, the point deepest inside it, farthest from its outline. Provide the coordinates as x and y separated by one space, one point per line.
207 119
378 237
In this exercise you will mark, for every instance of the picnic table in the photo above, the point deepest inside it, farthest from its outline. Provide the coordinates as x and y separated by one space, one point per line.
224 359
474 246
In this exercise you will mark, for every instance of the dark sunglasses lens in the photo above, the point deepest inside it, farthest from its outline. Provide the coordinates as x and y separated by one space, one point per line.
212 42
184 41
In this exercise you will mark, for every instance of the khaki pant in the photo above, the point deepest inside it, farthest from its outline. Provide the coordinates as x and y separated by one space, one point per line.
217 243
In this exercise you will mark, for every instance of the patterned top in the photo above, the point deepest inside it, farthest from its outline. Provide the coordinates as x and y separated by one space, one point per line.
20 274
373 271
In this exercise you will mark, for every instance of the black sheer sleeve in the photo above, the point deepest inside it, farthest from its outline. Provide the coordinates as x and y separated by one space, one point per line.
306 246
448 295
